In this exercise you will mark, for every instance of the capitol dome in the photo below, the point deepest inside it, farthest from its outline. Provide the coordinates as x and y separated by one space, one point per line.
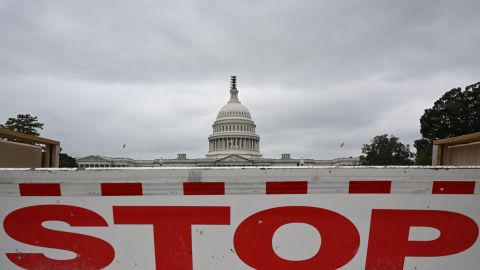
234 109
234 130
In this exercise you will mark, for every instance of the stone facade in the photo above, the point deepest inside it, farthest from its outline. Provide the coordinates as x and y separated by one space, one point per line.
232 160
233 142
20 155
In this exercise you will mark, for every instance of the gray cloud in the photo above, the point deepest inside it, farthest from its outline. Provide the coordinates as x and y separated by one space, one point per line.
153 74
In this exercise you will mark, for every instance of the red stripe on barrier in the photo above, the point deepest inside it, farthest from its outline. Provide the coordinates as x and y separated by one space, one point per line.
287 187
370 186
39 189
453 187
121 189
204 188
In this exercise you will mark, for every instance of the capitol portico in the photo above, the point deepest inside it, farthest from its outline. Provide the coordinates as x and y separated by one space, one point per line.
233 142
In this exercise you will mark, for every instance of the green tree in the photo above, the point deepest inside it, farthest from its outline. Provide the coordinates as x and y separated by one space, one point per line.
424 151
456 113
24 123
66 161
386 150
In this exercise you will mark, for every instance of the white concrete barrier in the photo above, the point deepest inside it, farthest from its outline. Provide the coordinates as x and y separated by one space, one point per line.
241 218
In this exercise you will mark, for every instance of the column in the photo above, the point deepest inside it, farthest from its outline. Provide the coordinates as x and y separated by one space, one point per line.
46 161
437 155
55 156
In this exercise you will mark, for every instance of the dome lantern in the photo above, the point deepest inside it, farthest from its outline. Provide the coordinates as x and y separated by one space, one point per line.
233 89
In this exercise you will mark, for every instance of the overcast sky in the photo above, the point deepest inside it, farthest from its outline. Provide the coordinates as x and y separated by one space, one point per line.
153 74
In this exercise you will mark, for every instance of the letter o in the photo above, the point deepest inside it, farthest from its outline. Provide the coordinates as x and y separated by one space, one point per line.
253 238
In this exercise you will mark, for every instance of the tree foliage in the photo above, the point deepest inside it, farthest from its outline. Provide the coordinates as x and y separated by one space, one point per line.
386 150
66 161
456 113
24 123
424 151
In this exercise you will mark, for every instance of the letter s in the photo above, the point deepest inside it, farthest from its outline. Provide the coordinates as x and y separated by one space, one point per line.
25 225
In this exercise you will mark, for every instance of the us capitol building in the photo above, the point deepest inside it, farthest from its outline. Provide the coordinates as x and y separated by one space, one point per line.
233 142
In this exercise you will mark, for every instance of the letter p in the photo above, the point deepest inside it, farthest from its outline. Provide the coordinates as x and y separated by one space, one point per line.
389 231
